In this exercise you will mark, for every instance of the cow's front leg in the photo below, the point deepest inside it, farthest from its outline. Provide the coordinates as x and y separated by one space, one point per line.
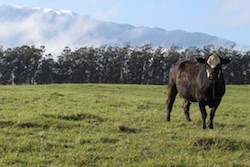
203 114
212 113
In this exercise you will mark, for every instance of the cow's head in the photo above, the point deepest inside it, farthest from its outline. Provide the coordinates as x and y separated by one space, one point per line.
213 66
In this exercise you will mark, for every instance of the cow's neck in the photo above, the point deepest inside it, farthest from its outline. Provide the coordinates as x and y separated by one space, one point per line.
217 88
213 85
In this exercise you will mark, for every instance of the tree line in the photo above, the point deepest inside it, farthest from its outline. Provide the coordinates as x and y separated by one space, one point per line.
110 64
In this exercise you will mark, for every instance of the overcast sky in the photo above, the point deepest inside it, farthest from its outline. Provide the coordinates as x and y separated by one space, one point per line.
229 19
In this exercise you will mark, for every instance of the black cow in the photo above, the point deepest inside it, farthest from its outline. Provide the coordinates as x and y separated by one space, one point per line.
199 81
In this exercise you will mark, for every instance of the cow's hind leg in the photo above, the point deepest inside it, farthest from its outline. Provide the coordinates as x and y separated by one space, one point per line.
172 91
186 106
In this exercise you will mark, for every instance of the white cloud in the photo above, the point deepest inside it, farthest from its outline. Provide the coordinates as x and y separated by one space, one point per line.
43 29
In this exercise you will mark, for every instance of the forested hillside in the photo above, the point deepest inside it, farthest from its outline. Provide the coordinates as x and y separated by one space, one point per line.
110 64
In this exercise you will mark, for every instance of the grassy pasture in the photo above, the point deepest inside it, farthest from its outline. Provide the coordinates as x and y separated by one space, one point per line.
118 125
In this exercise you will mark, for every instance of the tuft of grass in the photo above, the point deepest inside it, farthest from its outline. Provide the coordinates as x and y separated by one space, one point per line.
122 128
207 143
118 125
76 117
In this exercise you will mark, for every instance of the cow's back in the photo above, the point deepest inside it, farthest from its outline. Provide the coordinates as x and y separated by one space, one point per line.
188 76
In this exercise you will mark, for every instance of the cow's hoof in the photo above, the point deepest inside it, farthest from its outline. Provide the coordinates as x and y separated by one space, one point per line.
168 119
211 126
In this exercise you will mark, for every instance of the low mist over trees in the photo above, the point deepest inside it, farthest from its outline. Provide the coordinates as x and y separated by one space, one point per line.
110 64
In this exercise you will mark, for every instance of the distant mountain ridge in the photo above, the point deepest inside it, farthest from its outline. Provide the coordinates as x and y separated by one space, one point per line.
56 29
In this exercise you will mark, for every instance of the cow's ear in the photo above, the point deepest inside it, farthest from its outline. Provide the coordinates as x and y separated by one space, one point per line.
201 60
225 61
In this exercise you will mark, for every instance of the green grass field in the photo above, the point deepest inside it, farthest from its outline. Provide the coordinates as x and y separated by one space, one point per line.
118 125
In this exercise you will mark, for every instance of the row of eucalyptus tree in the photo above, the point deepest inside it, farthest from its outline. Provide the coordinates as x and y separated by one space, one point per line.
110 64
